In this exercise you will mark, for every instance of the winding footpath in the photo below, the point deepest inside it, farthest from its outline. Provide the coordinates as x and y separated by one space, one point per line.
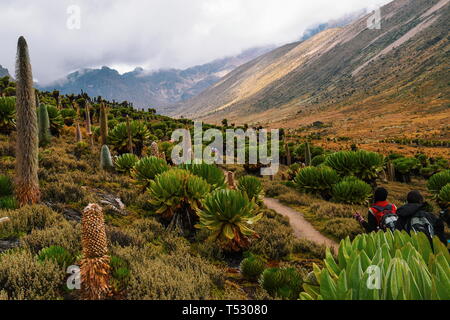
302 228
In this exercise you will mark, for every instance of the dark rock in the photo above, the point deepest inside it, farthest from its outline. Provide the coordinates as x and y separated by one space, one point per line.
8 245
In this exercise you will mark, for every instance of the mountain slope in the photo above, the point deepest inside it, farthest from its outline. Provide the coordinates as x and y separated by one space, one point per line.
4 72
343 73
152 89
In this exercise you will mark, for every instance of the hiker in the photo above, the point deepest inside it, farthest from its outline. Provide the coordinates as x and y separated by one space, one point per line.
382 214
414 217
445 216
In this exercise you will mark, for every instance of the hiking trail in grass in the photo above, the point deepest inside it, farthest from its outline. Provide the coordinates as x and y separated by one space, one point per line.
302 228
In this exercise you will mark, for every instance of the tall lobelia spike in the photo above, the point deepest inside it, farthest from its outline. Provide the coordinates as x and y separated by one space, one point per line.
154 150
288 154
26 180
230 180
78 134
95 265
88 123
129 136
103 124
106 162
88 118
44 126
308 157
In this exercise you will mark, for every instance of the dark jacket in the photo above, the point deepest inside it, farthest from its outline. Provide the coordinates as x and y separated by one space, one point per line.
409 210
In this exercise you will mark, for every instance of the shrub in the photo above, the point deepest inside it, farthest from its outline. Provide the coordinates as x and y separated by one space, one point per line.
69 115
438 181
64 234
120 273
296 198
6 186
8 203
252 187
316 180
284 283
229 215
23 277
140 136
362 164
352 191
252 267
444 195
56 120
343 162
340 228
176 195
405 167
368 165
66 191
126 162
177 276
7 114
28 218
326 210
309 249
274 189
411 269
58 254
318 160
81 149
147 169
276 237
211 173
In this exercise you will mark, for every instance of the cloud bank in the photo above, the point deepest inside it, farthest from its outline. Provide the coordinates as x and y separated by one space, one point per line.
154 34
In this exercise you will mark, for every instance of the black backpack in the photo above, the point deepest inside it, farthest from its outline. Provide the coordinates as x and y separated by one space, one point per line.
419 222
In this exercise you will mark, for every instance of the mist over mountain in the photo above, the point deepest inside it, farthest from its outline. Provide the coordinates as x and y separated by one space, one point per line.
153 89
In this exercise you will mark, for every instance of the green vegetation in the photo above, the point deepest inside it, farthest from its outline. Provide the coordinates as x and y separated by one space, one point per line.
176 195
211 173
228 214
126 162
252 187
284 283
58 254
140 137
7 114
252 267
352 191
362 164
147 169
316 180
438 181
409 269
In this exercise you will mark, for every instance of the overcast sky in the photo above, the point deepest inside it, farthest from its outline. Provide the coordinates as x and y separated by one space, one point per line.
154 33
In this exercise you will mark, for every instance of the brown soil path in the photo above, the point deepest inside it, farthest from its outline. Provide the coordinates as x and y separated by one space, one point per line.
302 228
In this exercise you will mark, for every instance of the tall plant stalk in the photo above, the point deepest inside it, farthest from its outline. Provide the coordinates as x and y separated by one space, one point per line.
26 180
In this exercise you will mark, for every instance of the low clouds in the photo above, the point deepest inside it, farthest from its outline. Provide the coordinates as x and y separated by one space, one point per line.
154 33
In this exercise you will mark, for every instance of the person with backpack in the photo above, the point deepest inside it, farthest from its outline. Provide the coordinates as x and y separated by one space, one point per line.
382 214
414 217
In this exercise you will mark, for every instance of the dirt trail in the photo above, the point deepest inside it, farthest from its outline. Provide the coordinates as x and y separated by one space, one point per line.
302 228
